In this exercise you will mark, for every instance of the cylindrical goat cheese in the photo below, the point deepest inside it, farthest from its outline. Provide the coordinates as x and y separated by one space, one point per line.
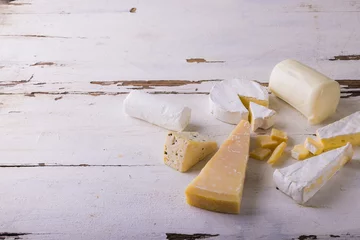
156 110
313 94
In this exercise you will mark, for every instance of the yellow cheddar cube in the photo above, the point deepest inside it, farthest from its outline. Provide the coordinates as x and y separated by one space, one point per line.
265 141
313 146
260 153
219 185
299 152
275 156
279 135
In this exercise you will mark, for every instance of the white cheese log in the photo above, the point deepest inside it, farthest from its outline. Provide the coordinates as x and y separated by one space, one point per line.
310 92
156 110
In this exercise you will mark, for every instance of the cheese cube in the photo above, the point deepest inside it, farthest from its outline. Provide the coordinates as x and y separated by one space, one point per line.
299 152
275 156
219 185
278 135
341 132
265 141
184 149
313 94
313 146
260 153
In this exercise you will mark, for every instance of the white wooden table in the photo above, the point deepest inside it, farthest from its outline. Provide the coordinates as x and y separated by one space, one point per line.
73 166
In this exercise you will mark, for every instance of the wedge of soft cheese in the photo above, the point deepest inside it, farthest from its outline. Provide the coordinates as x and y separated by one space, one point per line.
156 110
230 99
310 92
184 149
299 152
278 135
219 185
277 153
313 146
260 153
303 179
265 141
339 133
261 117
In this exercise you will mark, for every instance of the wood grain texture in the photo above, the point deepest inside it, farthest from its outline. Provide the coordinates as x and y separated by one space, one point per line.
74 166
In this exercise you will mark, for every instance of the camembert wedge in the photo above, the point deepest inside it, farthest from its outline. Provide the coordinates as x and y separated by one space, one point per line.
184 149
339 133
303 179
219 185
261 117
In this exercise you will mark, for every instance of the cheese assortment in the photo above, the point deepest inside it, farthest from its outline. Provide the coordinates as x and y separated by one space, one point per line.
261 117
156 110
310 92
313 146
219 185
230 99
303 179
339 133
183 150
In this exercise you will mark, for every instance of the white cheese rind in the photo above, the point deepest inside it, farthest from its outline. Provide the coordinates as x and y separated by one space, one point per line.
261 117
345 126
303 179
310 92
225 103
156 110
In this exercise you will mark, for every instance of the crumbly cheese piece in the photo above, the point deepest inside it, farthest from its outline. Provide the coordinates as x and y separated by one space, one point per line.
276 155
184 149
157 110
265 141
260 153
261 117
219 185
339 133
303 179
279 135
230 99
299 152
313 146
313 94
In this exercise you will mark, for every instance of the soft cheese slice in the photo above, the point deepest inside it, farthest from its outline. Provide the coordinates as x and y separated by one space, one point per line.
339 133
157 110
310 92
261 117
303 179
299 152
184 149
230 99
219 185
313 146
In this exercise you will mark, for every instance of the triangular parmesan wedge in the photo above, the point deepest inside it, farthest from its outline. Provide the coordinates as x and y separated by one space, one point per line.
219 185
184 149
261 117
303 179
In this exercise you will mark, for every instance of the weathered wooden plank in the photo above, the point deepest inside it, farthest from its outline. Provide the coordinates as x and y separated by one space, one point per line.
83 130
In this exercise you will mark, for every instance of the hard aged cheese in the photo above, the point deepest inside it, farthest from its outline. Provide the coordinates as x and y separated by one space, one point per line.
299 152
156 110
184 149
276 155
261 117
313 146
310 92
219 185
265 141
278 135
339 133
230 99
260 153
303 179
